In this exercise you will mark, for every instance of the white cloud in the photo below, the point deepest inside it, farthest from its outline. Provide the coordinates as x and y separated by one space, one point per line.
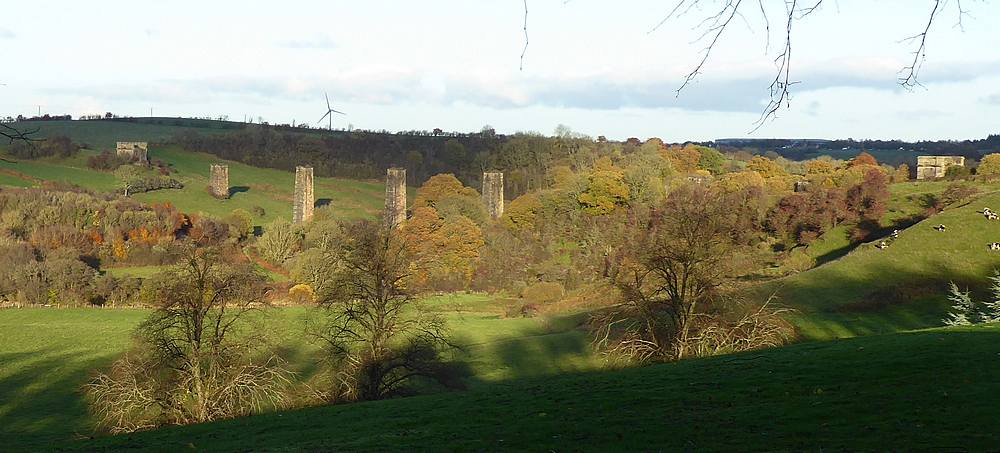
316 42
6 34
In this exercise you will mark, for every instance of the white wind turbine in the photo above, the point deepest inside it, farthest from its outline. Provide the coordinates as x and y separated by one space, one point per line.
329 112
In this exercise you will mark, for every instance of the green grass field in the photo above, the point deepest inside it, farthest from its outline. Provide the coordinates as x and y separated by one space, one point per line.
251 187
903 287
920 391
46 355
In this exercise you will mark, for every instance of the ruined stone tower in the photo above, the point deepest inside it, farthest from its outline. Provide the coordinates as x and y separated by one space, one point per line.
137 152
218 181
395 197
302 209
493 193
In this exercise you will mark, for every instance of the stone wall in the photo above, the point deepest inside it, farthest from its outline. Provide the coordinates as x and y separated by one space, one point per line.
933 167
304 200
395 197
136 151
218 181
493 193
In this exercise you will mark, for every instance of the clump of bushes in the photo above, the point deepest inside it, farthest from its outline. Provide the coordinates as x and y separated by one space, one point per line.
154 182
106 161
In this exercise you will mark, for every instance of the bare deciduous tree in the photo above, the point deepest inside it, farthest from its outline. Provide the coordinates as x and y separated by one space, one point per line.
196 358
669 277
377 337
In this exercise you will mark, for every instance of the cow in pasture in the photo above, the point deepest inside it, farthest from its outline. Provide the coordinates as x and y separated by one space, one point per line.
940 227
994 246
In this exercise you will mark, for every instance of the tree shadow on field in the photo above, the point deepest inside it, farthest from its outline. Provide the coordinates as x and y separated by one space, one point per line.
237 189
322 202
42 402
839 302
555 345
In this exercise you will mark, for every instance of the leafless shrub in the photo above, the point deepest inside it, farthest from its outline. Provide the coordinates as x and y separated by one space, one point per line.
197 357
625 337
756 327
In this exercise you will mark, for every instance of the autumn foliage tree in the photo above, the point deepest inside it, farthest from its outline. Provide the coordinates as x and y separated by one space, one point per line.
441 237
606 189
440 187
800 218
863 159
445 250
869 199
989 166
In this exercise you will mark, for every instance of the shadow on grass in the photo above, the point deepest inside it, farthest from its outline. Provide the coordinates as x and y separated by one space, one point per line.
926 390
42 403
552 345
835 303
237 189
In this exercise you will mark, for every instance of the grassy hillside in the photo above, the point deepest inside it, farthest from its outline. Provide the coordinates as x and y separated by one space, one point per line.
46 355
930 390
269 189
902 287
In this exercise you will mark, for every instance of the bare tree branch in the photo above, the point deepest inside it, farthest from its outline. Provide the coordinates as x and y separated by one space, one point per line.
525 49
908 75
12 133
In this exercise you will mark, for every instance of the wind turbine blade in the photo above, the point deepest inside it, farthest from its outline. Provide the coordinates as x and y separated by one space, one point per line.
323 117
327 100
334 111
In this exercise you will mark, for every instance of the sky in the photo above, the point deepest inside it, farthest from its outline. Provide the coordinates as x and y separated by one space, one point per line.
596 66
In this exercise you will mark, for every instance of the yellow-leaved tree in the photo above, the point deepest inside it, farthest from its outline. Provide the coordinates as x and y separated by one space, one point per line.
989 166
606 189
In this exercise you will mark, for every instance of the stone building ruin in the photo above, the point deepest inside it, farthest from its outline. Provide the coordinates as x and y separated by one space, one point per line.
304 200
493 193
137 152
395 197
218 181
933 167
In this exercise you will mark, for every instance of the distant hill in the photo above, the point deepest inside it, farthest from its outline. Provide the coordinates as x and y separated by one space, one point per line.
892 152
250 187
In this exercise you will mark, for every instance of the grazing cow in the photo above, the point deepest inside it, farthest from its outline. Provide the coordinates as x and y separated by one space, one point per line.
940 227
994 246
993 216
882 245
895 234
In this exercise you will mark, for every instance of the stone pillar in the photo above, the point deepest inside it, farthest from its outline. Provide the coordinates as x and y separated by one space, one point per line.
304 200
218 181
395 197
493 193
137 152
